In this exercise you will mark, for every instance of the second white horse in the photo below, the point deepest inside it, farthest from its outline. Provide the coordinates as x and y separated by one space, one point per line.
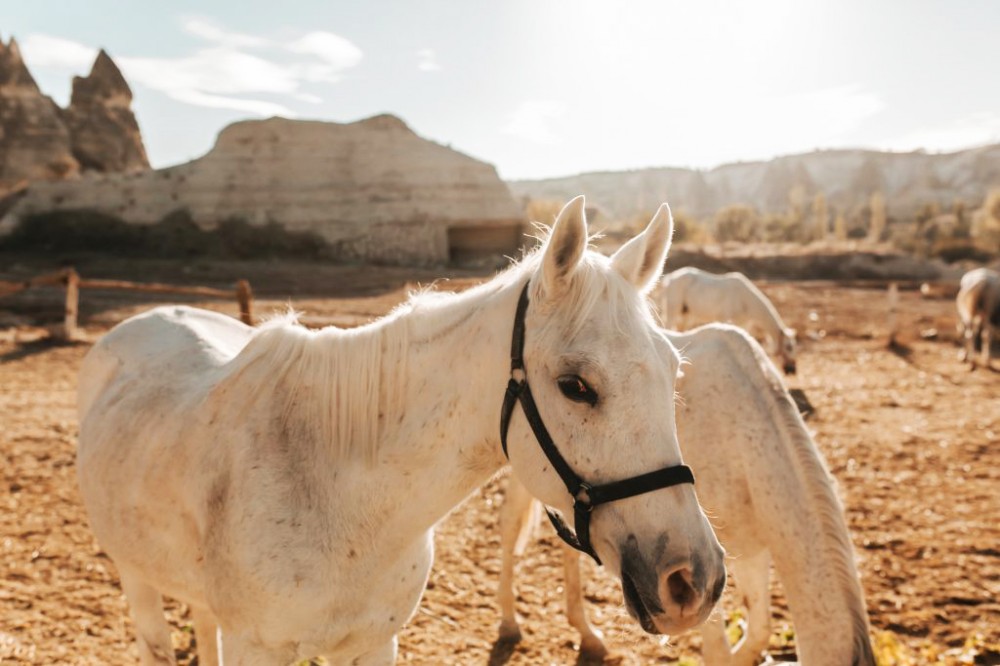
689 297
763 480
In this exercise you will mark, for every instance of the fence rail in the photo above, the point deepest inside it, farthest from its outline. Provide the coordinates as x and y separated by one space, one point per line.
73 283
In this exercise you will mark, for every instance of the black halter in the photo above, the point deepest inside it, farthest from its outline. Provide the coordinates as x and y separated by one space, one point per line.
585 496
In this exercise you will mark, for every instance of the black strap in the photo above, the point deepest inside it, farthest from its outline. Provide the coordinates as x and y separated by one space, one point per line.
585 496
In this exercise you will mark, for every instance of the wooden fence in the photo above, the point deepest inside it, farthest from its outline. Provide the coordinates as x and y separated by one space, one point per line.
73 283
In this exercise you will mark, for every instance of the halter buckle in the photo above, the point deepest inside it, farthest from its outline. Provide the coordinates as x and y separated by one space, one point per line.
582 497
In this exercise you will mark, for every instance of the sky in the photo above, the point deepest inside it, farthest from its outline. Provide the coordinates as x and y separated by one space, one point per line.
544 88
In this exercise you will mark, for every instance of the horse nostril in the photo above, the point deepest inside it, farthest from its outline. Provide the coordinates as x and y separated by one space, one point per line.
680 589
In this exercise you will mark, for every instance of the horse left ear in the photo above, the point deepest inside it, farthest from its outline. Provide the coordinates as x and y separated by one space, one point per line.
640 261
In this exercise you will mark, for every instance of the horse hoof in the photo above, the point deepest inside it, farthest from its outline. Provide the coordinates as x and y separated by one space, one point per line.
510 632
592 649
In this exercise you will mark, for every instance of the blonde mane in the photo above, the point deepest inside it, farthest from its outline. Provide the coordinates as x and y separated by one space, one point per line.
822 488
345 385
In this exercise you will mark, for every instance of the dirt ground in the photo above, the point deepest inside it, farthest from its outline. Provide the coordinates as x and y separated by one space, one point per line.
911 435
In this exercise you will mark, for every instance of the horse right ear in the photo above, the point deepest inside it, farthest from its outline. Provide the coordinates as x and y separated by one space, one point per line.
564 248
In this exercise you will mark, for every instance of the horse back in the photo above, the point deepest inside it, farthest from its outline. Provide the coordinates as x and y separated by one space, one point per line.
171 346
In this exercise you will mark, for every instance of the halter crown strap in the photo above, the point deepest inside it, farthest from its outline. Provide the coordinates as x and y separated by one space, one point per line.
585 496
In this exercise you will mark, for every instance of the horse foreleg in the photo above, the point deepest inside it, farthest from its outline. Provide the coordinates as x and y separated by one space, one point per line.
206 632
515 516
986 341
715 648
752 576
152 633
383 656
243 650
591 645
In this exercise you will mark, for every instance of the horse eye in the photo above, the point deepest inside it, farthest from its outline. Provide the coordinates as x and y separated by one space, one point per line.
577 390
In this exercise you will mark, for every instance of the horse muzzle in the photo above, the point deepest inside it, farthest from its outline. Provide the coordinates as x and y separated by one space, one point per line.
677 597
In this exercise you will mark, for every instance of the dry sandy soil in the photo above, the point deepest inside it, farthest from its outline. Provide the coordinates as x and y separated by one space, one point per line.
912 436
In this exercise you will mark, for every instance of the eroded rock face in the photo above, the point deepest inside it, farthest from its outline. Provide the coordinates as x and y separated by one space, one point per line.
371 190
39 141
34 141
103 130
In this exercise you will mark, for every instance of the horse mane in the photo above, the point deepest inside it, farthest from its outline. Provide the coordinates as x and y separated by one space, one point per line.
346 384
821 486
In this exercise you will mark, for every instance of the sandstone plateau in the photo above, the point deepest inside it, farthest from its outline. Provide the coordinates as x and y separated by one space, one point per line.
371 189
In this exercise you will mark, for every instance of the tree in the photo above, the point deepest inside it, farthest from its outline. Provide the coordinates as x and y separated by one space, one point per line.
876 224
820 216
840 226
737 223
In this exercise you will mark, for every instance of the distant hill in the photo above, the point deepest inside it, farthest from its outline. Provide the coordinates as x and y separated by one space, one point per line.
847 178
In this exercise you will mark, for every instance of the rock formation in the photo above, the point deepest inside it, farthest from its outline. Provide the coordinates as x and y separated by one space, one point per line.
40 141
104 134
34 141
848 178
371 189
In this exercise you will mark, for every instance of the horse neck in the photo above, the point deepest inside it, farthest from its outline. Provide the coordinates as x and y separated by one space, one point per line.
808 537
767 316
445 441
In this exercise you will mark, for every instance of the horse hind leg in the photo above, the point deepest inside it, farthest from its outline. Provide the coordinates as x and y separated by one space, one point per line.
752 576
152 632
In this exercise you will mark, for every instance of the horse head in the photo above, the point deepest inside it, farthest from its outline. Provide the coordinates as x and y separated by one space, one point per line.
602 377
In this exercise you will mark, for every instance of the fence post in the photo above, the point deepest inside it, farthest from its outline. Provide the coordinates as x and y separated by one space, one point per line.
72 305
244 296
893 323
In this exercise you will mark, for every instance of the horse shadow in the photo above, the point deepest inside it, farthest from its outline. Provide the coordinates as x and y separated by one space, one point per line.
503 650
40 346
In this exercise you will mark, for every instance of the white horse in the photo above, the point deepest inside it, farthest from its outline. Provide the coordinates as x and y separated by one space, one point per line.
285 483
690 297
767 487
978 303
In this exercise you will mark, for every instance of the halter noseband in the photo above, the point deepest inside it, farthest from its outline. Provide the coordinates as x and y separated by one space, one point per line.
585 496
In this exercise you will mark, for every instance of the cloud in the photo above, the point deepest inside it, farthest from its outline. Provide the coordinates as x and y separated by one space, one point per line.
49 51
532 120
427 61
207 30
333 49
220 74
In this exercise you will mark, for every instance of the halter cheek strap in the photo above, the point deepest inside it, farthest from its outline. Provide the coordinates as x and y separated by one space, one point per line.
585 496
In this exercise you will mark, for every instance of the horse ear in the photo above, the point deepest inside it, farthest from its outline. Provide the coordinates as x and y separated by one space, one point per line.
640 261
565 247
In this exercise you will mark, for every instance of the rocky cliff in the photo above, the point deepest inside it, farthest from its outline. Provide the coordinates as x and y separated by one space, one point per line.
847 178
371 189
103 130
40 141
34 141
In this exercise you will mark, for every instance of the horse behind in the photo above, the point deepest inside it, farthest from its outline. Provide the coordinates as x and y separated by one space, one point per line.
978 304
284 483
690 297
767 487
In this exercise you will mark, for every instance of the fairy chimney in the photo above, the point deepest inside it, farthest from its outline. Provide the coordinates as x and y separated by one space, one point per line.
104 133
34 141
